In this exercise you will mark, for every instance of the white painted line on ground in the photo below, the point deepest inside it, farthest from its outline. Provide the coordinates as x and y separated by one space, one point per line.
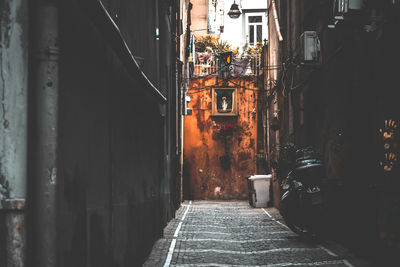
246 252
214 265
173 242
223 233
239 218
284 225
320 263
229 227
328 251
322 247
225 210
204 232
186 211
347 263
232 241
170 252
266 212
278 222
178 229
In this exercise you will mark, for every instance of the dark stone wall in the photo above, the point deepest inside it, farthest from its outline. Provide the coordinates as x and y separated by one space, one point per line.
114 195
137 21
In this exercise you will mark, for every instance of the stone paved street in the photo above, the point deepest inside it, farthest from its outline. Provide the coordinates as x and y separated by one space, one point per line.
207 233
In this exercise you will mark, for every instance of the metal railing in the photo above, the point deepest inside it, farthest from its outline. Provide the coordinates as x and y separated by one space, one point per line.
207 64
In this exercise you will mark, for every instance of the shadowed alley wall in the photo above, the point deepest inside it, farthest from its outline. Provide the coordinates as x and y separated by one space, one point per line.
342 105
115 188
217 164
88 130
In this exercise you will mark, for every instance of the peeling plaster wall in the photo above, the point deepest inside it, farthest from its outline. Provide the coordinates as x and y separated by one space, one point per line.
213 170
13 97
13 129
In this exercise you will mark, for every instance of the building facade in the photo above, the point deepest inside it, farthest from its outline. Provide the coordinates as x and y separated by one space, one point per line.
89 149
333 86
222 126
211 18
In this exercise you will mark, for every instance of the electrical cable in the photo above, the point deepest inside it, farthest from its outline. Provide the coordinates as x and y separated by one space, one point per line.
321 67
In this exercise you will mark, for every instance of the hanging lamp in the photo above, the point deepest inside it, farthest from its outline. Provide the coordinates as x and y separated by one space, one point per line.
234 12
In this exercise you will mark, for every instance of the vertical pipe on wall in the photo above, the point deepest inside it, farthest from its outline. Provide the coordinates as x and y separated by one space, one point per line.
175 90
157 37
179 59
13 128
263 96
269 89
276 19
46 53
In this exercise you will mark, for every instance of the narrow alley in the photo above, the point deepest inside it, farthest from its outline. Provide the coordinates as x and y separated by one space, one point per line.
212 233
199 133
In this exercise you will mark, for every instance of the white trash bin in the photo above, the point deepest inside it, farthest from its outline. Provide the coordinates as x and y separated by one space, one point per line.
260 185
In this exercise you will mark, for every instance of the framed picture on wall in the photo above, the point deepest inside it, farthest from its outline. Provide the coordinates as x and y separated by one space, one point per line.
224 102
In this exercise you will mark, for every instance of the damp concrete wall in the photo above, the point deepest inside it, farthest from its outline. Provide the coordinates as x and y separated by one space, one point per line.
216 166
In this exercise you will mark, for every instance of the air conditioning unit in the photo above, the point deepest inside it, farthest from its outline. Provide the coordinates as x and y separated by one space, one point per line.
310 46
356 4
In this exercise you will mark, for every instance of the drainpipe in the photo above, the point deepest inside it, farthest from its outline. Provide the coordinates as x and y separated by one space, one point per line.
264 105
277 26
157 37
13 127
45 91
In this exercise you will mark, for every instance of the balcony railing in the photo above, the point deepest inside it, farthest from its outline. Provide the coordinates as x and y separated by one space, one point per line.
207 64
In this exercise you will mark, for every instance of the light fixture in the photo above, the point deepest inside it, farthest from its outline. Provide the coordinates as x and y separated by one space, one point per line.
234 12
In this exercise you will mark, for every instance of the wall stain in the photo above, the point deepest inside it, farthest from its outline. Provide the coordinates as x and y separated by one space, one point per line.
252 143
215 165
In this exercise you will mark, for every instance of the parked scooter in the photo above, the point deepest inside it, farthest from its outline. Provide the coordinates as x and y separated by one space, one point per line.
302 201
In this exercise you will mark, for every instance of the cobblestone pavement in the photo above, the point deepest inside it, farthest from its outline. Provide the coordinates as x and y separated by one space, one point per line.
209 233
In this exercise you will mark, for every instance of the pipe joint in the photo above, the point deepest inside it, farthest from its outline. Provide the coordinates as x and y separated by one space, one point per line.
13 204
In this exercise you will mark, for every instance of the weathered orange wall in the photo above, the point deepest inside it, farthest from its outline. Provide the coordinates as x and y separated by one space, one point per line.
204 175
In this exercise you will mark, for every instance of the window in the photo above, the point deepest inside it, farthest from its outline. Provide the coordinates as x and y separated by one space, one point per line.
255 28
224 102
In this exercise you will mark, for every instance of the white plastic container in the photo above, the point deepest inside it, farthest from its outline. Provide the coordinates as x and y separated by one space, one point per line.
260 195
